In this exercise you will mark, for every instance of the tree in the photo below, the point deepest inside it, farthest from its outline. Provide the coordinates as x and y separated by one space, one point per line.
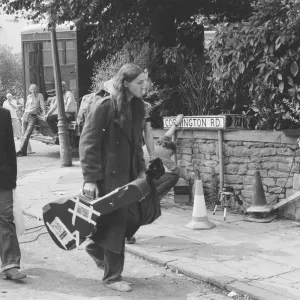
164 24
121 21
256 63
11 74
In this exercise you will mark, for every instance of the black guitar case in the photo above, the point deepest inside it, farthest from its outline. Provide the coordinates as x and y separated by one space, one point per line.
69 221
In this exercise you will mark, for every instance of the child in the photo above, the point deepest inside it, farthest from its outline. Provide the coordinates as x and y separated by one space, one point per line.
164 148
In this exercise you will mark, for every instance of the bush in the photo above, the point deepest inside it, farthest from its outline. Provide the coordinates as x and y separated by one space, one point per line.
106 69
255 64
11 74
196 90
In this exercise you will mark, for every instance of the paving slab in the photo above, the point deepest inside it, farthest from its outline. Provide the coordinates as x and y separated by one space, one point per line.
278 286
257 292
262 242
200 273
257 228
289 255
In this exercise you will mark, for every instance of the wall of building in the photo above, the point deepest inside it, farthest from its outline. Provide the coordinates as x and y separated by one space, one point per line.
274 154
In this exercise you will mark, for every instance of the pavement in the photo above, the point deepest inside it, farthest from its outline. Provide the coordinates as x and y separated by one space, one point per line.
261 260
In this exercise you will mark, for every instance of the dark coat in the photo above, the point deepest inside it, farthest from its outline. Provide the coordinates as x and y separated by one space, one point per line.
8 161
112 156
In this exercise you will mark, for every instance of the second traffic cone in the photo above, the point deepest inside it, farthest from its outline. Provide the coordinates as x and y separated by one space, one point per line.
199 218
259 202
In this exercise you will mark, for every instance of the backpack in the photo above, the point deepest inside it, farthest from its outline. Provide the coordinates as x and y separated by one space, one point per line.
86 103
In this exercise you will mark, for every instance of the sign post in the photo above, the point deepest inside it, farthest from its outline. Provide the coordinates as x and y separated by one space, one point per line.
203 122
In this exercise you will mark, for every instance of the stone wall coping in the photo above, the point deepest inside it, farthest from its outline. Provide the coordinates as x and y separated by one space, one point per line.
233 135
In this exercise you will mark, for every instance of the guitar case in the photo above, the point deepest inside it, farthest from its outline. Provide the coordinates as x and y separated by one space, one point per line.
69 221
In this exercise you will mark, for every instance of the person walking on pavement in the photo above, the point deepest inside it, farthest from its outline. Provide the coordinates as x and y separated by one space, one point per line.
9 246
34 106
111 156
70 109
12 106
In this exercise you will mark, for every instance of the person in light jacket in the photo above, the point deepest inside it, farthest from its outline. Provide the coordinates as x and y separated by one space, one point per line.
34 106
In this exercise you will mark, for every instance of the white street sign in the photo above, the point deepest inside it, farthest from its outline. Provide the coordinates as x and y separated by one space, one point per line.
205 122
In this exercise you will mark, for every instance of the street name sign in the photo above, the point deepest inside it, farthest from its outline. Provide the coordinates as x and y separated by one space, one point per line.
197 122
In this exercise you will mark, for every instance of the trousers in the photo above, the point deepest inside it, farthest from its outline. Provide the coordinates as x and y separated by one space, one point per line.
113 263
16 127
28 126
9 245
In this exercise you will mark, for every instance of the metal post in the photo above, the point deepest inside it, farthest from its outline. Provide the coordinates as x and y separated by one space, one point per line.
221 161
64 142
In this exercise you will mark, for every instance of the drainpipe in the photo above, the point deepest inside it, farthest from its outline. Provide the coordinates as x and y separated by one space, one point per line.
221 161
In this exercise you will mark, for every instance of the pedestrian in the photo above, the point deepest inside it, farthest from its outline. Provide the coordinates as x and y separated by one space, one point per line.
9 246
111 156
12 106
34 106
147 136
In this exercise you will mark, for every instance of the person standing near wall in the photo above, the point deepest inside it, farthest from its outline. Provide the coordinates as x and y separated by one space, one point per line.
9 246
12 106
34 105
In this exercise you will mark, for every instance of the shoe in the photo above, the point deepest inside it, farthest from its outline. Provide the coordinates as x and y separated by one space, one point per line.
99 263
13 274
130 241
19 154
31 152
120 286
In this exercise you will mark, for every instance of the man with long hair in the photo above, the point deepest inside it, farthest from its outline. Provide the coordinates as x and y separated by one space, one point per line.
111 156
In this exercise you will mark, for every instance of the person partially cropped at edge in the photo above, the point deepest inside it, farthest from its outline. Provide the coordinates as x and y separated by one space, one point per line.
10 253
111 156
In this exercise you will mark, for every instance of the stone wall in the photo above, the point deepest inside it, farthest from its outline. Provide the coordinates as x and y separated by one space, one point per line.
275 155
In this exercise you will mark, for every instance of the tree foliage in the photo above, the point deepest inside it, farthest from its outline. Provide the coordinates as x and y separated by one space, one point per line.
11 74
121 21
256 64
165 25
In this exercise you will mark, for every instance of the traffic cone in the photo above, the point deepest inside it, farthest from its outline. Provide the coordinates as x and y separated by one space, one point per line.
199 218
259 202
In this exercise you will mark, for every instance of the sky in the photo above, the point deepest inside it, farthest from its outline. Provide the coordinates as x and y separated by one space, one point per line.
10 32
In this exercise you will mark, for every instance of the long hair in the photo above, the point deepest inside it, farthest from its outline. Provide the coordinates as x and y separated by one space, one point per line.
127 72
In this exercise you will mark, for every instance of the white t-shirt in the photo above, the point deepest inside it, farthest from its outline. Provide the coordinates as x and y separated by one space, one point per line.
13 111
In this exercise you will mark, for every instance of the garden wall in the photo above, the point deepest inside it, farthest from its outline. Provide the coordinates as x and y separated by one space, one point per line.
274 154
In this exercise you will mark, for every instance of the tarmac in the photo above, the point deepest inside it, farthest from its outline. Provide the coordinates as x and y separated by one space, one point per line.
261 260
